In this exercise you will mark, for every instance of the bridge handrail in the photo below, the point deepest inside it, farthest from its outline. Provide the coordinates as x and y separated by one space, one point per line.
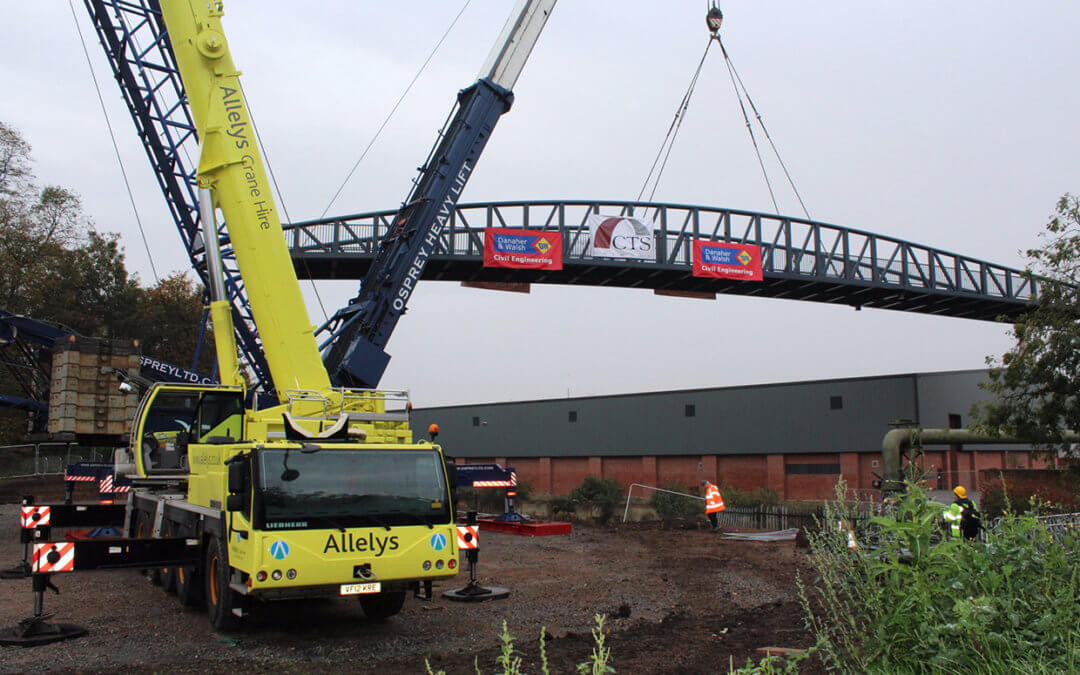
791 246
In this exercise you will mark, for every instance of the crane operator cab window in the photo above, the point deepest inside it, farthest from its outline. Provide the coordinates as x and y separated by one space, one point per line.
175 416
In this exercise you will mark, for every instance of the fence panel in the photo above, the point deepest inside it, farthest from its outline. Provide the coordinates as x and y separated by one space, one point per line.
42 459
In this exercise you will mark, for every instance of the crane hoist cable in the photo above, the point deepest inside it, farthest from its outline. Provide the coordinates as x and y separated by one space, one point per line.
116 148
393 110
761 121
714 19
749 126
673 131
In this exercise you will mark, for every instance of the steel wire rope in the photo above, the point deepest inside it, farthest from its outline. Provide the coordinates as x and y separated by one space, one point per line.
750 128
761 122
393 110
673 131
116 148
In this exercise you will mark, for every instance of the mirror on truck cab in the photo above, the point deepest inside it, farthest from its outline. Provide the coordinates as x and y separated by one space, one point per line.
239 483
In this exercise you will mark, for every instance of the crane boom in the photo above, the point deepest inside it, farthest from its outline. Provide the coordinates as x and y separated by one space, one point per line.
139 51
231 165
356 355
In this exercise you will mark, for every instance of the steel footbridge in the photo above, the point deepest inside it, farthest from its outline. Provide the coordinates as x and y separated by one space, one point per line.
801 259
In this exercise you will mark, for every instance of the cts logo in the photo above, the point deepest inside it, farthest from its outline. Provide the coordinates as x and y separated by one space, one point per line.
438 541
279 550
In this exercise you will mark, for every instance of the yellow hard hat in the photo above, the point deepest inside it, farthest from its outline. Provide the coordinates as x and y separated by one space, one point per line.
960 491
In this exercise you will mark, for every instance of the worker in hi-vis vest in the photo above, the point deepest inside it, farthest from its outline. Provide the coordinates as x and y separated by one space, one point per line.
968 521
714 504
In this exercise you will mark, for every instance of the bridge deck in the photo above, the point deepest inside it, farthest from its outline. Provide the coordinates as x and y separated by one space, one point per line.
801 259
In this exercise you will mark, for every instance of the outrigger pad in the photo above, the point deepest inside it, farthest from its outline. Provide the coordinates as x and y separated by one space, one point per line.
477 593
20 571
36 631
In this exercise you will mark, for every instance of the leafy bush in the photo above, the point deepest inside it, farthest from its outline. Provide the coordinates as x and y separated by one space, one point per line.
562 505
1007 605
759 496
668 505
600 495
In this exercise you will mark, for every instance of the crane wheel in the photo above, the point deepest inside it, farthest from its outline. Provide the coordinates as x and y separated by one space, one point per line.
144 528
220 599
168 574
382 606
189 586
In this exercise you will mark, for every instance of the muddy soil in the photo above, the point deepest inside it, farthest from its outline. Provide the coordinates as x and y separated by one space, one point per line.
677 601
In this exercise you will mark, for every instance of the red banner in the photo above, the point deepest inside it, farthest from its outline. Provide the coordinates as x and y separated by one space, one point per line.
721 260
522 249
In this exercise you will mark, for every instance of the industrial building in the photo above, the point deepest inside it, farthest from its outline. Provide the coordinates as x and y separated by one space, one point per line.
797 438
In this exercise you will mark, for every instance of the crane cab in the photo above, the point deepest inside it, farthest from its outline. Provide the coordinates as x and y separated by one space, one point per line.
173 416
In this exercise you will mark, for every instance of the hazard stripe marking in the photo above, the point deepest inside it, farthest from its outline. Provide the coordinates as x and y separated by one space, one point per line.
34 516
468 537
54 557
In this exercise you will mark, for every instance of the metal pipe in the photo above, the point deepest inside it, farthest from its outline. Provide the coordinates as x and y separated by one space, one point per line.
897 441
630 491
214 269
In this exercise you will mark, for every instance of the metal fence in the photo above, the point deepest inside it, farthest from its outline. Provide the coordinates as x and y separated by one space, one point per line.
42 459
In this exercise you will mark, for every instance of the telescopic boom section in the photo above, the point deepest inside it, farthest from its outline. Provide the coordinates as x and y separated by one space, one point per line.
356 356
231 166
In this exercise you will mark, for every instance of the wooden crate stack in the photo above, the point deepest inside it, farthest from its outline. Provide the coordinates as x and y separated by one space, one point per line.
82 398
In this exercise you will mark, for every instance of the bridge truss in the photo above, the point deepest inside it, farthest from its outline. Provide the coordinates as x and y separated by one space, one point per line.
801 259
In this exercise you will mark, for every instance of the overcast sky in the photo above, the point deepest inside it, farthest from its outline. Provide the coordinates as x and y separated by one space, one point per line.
948 124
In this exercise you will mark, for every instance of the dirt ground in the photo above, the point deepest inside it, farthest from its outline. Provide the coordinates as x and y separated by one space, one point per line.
677 601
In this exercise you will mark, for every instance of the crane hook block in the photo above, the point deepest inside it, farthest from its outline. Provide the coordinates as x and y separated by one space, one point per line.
714 18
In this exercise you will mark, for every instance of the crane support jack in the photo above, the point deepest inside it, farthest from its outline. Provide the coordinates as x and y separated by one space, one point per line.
473 591
37 630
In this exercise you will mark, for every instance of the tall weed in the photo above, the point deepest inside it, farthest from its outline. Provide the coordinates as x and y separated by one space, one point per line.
918 602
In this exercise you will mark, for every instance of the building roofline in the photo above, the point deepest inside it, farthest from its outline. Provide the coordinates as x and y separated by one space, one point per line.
736 387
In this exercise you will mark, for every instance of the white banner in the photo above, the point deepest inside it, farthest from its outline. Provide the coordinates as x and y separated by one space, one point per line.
621 237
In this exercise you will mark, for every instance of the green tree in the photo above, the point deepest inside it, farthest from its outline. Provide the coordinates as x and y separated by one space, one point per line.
1036 384
166 321
55 266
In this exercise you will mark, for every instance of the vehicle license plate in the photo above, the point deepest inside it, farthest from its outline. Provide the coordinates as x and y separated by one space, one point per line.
357 589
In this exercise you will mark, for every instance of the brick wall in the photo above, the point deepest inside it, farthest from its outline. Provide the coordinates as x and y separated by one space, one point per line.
560 475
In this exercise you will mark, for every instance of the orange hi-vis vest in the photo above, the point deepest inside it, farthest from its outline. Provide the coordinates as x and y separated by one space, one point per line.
714 503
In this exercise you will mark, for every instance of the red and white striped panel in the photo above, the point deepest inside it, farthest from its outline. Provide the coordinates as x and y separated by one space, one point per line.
34 516
54 557
79 479
468 536
107 486
493 483
513 478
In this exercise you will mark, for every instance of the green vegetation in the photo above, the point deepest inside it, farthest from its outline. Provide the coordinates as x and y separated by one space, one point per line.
1037 383
912 605
55 265
600 495
759 496
510 660
669 506
1052 496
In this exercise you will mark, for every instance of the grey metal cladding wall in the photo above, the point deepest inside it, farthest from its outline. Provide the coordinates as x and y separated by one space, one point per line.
789 418
942 394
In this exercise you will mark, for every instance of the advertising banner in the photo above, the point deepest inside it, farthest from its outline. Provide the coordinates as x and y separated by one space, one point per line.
522 249
621 237
721 260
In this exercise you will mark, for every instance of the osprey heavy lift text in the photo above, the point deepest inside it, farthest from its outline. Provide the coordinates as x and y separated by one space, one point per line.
325 492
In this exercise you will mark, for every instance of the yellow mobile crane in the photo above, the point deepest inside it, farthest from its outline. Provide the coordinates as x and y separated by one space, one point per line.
324 493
